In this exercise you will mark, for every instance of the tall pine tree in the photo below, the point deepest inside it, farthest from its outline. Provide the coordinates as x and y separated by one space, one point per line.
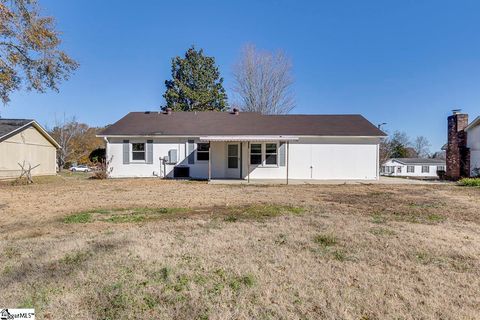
196 84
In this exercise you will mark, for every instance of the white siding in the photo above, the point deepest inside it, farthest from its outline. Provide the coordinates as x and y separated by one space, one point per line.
308 158
473 141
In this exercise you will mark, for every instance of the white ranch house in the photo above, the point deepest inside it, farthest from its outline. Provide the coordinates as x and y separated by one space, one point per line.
243 145
413 167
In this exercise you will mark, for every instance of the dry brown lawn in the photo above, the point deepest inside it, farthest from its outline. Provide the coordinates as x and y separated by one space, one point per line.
153 249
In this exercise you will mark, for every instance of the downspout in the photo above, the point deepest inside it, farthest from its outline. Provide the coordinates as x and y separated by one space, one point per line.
286 158
378 162
209 161
248 162
106 153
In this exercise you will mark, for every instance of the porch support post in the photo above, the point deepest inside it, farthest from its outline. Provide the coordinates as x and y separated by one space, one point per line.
248 162
209 161
286 158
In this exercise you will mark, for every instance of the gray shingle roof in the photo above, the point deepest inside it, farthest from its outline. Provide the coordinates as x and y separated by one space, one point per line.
419 161
10 125
244 123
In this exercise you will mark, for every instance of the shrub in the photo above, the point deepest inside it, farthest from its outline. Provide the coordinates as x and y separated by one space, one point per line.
470 182
442 174
104 169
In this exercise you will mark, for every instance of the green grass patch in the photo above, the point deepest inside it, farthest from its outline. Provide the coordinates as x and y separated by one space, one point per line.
122 215
469 182
130 218
339 255
435 218
325 240
238 282
81 217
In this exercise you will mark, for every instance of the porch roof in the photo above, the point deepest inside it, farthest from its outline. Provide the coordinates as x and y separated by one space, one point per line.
248 138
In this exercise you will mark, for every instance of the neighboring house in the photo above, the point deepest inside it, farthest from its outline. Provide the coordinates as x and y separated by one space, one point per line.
242 145
463 146
25 142
412 167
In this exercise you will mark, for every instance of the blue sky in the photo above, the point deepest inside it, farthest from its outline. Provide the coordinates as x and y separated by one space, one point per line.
407 63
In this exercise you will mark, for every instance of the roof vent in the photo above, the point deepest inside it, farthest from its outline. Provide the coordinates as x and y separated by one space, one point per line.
235 111
168 111
457 111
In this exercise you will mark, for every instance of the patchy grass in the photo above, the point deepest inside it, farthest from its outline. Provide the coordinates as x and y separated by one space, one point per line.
330 246
138 215
128 218
326 240
435 218
75 258
412 216
378 231
455 261
232 255
81 217
259 212
469 182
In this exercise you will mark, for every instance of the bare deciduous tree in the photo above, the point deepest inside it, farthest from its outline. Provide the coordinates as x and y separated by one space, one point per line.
77 140
263 81
422 146
64 132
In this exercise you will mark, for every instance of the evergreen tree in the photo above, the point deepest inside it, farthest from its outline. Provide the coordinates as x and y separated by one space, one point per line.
196 84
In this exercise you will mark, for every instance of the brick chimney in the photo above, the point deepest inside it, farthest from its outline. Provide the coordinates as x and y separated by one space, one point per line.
458 155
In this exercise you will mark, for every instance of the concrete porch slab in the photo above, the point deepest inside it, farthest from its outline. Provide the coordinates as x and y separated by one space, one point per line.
382 180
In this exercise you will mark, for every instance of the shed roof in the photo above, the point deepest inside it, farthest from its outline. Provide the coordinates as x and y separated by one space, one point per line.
243 123
10 127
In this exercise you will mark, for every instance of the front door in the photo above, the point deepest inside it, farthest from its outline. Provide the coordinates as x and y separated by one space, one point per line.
233 160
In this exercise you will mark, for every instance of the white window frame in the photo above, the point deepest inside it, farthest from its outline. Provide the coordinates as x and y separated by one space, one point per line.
389 169
250 155
426 171
144 152
263 154
440 168
410 169
237 145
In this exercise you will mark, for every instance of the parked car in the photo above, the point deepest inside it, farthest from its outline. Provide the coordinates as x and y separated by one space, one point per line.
80 168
